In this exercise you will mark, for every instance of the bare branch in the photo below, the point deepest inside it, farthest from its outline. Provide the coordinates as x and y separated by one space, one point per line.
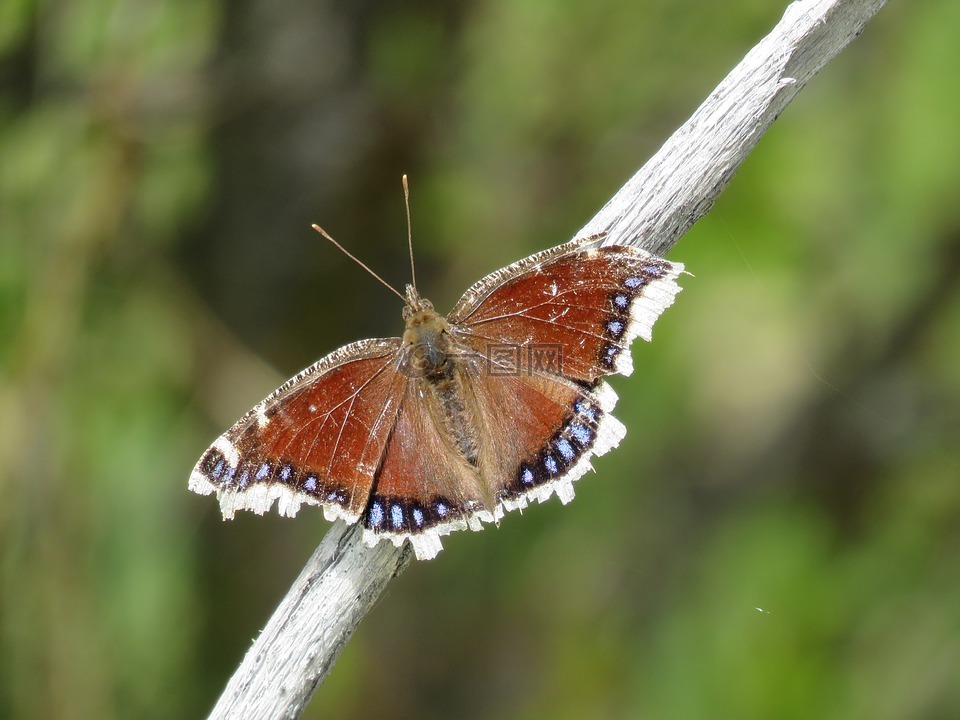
339 584
344 578
680 183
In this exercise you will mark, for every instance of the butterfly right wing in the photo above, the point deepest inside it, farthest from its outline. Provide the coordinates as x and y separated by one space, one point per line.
540 433
549 327
578 306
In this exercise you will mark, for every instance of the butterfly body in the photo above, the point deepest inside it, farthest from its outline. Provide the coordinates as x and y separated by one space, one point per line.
463 418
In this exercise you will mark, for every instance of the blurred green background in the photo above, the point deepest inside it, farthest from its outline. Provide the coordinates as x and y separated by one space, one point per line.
779 535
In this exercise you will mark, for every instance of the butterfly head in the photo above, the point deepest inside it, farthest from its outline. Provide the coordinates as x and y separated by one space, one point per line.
415 303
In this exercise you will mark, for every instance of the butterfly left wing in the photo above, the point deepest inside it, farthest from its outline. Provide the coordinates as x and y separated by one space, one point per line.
318 439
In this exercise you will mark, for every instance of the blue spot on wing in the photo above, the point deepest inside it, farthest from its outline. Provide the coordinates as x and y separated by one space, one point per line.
550 463
396 515
376 515
581 433
653 270
565 448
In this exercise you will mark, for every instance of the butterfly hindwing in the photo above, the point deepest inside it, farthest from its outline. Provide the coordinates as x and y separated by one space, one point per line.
541 431
425 486
534 435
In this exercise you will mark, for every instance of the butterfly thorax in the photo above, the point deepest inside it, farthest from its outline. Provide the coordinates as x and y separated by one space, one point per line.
427 341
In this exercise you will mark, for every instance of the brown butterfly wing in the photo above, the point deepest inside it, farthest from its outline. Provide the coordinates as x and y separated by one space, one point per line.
425 486
548 328
540 433
533 435
318 439
576 308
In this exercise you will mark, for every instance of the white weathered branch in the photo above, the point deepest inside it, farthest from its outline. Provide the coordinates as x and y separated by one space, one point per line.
679 184
339 584
343 578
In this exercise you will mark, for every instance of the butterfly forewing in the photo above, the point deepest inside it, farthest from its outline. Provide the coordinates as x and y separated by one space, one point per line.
582 304
318 439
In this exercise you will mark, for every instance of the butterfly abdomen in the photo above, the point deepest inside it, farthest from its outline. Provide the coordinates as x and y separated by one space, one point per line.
457 421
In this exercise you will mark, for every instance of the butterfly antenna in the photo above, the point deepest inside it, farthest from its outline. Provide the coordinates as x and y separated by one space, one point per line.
358 262
406 202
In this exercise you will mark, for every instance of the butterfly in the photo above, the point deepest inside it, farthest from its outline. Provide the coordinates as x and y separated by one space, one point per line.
466 416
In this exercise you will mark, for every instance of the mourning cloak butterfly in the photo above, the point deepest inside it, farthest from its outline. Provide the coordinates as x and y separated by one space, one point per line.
465 417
